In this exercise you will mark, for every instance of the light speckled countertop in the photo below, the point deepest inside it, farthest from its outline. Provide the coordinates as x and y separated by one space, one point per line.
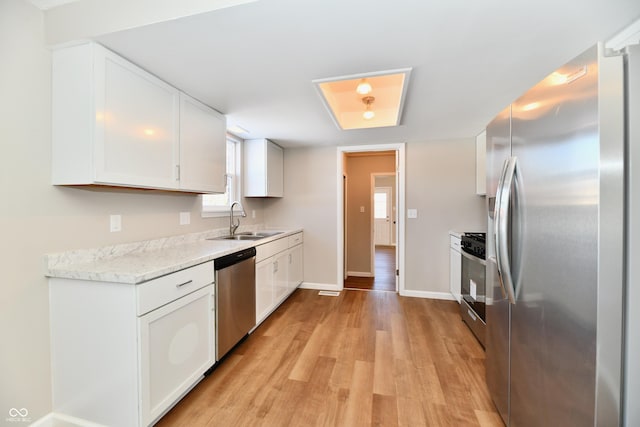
142 261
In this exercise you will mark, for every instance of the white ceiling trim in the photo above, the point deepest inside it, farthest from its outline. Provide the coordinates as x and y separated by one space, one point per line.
626 37
99 17
49 4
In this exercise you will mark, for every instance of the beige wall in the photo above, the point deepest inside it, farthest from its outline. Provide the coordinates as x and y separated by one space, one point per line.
358 224
440 183
441 186
37 218
310 189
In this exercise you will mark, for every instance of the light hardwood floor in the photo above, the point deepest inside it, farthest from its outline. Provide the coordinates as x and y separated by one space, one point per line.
360 359
385 272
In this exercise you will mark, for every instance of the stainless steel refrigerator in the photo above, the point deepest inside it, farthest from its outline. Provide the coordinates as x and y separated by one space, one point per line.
556 291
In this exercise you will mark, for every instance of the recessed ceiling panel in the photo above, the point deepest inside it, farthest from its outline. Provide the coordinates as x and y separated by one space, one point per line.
379 105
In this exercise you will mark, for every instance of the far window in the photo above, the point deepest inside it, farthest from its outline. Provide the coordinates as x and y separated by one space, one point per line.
214 204
380 205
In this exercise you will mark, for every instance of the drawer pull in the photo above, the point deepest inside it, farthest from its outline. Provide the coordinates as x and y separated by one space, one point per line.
184 284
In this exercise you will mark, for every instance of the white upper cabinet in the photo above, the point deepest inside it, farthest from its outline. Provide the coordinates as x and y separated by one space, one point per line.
202 156
481 168
263 169
115 124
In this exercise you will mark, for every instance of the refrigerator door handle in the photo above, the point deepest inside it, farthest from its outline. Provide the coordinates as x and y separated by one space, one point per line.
496 227
502 228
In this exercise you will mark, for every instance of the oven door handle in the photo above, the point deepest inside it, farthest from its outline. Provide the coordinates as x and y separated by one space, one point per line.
503 200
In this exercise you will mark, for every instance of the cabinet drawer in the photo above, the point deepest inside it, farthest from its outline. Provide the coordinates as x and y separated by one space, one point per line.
455 242
296 239
160 291
271 248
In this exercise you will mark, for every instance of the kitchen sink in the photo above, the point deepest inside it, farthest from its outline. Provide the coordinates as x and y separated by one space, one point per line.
248 235
259 233
239 237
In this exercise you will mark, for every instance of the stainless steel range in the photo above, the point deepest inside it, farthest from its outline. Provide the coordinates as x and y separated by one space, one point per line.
472 306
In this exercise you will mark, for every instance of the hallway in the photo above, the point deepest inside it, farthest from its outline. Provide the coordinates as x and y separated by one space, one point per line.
385 272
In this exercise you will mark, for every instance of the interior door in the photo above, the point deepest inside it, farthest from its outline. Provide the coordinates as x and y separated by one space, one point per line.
382 202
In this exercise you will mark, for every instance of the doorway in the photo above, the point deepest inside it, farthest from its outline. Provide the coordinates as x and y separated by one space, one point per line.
371 226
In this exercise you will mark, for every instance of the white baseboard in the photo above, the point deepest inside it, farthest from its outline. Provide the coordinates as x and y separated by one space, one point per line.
428 294
54 419
320 286
360 274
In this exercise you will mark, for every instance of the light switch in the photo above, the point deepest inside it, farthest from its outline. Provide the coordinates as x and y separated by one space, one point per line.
115 223
362 209
412 213
185 218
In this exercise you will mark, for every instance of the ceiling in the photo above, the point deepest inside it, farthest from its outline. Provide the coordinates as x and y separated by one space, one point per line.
256 62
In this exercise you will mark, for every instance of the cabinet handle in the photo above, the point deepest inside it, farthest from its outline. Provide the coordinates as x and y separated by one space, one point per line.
184 284
177 172
289 258
275 267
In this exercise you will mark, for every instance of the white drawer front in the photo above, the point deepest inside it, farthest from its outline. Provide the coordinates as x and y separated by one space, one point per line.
296 239
269 249
160 291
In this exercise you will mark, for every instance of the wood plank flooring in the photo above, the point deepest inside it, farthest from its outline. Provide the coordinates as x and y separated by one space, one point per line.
385 272
360 359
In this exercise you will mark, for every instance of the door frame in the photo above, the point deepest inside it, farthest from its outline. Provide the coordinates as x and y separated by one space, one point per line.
400 149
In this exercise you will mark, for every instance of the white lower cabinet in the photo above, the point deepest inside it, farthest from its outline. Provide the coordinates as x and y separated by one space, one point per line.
296 271
124 354
264 289
279 272
175 350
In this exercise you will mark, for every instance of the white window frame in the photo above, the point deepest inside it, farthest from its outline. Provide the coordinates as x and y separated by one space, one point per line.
209 211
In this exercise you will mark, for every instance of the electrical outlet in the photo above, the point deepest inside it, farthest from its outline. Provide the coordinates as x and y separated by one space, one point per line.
185 218
115 223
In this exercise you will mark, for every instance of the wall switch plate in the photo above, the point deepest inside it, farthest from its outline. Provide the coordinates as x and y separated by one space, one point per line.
412 213
115 223
185 218
253 213
362 209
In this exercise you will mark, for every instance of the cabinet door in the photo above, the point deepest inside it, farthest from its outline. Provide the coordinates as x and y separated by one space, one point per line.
295 267
275 172
136 128
202 147
264 288
455 273
176 348
280 276
263 169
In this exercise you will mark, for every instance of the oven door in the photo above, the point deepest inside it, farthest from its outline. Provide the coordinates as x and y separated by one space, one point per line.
473 283
472 306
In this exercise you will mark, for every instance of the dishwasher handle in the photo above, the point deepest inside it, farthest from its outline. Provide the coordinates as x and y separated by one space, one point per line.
234 258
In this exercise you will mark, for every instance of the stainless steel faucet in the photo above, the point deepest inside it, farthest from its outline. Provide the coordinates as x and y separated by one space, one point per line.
234 226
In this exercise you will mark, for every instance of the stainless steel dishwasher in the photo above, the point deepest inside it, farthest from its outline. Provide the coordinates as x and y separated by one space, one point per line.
235 298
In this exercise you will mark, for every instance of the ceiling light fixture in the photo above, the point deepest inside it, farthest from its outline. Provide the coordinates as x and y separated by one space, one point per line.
368 113
364 87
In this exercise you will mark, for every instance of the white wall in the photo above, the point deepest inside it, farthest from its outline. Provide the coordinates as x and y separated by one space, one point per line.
37 218
440 181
